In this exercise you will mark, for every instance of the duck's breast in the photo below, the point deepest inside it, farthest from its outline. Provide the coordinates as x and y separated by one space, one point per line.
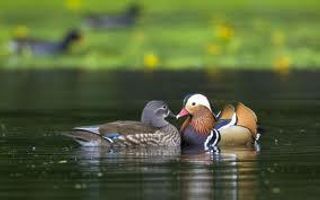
191 137
170 136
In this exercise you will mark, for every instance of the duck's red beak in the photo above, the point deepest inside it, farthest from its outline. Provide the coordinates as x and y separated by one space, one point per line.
183 112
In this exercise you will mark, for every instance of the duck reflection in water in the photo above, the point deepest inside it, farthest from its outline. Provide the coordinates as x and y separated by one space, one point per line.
230 173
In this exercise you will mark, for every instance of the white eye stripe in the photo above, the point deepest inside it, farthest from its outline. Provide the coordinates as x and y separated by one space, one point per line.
164 109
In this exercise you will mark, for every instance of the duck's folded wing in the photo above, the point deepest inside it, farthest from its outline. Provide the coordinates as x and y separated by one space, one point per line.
227 118
88 136
128 132
247 118
120 132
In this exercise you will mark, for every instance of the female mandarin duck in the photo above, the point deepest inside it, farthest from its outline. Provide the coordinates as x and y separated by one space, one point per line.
202 128
152 130
42 47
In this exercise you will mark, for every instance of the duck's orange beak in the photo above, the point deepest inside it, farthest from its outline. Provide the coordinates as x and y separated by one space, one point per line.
183 112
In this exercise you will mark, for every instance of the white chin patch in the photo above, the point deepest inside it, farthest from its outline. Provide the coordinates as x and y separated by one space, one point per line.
199 99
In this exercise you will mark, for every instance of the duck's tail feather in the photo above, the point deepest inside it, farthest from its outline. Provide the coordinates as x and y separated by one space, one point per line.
260 131
87 138
90 129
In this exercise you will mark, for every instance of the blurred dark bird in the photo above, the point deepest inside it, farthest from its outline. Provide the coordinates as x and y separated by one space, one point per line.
112 21
152 130
43 47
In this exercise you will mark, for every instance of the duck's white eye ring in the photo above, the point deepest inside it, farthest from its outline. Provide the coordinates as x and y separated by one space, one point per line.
193 103
164 107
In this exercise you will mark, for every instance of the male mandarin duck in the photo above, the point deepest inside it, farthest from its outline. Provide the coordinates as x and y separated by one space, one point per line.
107 21
41 47
152 130
202 128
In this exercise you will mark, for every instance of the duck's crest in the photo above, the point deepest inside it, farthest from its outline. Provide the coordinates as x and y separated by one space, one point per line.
186 98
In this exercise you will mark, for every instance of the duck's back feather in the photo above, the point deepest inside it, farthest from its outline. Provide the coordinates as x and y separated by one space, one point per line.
126 133
126 128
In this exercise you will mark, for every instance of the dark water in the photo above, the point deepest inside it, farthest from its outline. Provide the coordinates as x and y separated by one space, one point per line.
37 163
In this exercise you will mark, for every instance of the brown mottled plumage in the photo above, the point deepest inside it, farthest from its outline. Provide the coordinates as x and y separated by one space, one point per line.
126 127
152 130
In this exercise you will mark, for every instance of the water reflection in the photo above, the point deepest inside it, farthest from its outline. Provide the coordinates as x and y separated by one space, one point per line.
229 174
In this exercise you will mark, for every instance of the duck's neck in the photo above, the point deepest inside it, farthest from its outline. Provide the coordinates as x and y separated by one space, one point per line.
65 43
132 12
157 122
203 121
185 124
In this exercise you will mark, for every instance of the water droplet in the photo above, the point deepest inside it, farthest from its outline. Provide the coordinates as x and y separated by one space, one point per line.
77 186
80 186
275 190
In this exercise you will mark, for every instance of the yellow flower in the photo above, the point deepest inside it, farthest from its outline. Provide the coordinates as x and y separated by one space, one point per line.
73 5
282 65
139 36
214 49
278 38
21 31
224 32
151 61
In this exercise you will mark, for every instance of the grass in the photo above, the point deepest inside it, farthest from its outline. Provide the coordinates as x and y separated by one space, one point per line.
280 35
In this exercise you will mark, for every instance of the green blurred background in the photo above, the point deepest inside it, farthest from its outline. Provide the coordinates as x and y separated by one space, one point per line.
179 34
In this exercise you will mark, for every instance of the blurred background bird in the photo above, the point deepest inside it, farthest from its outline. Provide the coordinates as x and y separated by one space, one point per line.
127 18
45 47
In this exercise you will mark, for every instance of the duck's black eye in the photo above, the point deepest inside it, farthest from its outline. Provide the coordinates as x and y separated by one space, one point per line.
164 107
193 103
